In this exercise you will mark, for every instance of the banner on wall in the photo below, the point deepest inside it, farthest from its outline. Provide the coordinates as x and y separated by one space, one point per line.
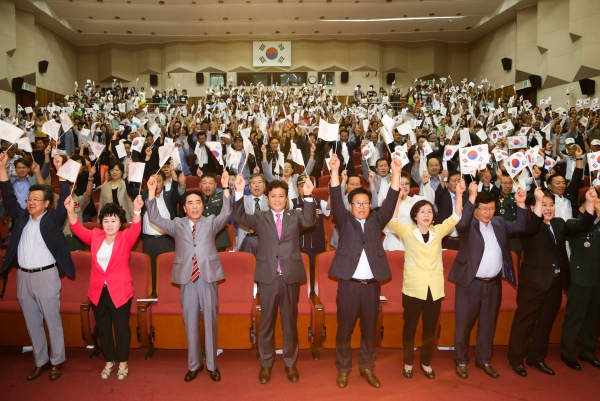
268 54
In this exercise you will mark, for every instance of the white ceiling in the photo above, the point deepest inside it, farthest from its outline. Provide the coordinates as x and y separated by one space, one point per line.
86 22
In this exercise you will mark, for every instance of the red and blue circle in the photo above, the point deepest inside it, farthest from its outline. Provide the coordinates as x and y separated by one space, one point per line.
548 163
517 142
472 155
449 152
271 53
515 163
216 153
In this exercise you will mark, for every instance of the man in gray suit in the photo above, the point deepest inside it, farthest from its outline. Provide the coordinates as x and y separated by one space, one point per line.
197 269
279 269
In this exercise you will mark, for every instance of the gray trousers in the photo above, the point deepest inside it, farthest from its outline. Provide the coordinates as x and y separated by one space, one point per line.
197 298
39 296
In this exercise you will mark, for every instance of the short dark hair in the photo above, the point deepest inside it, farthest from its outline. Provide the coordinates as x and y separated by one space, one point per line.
191 192
24 161
452 173
201 133
161 173
552 177
485 197
78 158
260 175
549 194
358 191
46 189
208 175
112 209
354 176
116 164
417 206
381 159
40 139
277 184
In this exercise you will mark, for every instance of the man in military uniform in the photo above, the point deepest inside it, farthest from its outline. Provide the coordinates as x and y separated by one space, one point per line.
213 202
312 241
583 297
506 207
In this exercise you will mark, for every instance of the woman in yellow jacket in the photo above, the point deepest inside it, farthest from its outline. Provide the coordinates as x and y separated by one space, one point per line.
423 285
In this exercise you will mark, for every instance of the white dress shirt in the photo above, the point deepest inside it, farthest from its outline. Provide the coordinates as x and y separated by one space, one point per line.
562 208
151 229
391 242
32 250
454 233
363 270
491 261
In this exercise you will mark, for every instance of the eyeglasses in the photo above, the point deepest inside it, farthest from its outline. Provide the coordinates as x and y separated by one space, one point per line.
491 210
34 200
361 204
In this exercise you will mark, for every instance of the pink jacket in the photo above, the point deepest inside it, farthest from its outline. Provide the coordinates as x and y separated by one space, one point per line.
117 275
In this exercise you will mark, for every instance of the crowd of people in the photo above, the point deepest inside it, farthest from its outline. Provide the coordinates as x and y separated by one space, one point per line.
443 165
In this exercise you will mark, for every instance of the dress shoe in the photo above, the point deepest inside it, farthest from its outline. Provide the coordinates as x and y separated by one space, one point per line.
595 363
407 373
191 374
430 375
342 380
215 375
519 369
264 376
37 372
572 364
55 372
371 378
488 369
542 367
461 371
292 374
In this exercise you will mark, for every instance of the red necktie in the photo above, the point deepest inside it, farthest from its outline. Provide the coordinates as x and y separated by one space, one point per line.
195 269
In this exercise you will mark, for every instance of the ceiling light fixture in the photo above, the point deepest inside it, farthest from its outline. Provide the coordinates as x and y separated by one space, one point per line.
152 33
79 31
387 19
128 31
117 17
468 27
431 14
316 31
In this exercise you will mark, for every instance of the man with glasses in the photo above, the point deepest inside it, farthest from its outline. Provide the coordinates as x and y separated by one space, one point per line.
445 198
39 250
360 269
483 259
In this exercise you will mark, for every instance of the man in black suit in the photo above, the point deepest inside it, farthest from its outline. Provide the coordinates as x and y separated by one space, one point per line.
205 159
566 197
344 149
360 269
483 259
39 249
445 196
542 277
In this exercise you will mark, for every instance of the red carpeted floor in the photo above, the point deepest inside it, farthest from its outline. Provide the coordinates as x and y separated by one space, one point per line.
162 379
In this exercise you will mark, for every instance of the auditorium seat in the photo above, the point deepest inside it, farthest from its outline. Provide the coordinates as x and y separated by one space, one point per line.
192 181
138 247
327 227
392 309
4 233
324 307
321 193
232 238
96 195
414 191
324 181
304 316
356 156
72 294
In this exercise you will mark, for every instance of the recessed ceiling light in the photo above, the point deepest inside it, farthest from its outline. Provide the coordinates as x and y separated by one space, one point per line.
405 15
249 19
468 27
70 1
300 1
225 18
128 31
79 31
227 33
161 2
441 29
276 31
250 33
200 19
356 1
316 31
248 2
393 30
193 2
117 17
205 33
220 1
91 17
105 32
458 14
328 1
297 18
293 32
143 19
152 33
339 31
389 1
280 1
431 14
128 2
347 17
100 1
417 30
321 17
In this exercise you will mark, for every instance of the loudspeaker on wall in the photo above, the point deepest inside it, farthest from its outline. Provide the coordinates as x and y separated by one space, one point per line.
199 77
536 81
153 79
43 66
506 63
17 83
588 86
344 77
391 77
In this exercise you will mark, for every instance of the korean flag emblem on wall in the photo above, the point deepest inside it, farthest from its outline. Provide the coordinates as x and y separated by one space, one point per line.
266 54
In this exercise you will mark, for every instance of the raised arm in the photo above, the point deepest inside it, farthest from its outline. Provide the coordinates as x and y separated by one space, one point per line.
386 212
239 212
167 225
78 229
520 224
574 227
221 220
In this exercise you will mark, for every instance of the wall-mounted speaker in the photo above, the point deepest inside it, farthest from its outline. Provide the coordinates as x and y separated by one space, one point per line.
588 86
536 81
17 83
199 77
344 77
506 64
43 66
391 77
153 79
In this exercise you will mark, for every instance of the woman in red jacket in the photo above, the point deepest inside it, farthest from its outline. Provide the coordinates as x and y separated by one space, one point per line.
110 288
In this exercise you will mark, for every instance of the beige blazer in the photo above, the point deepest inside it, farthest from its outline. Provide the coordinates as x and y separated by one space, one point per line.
124 199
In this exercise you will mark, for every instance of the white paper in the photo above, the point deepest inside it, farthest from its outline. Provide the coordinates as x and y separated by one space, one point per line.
328 132
65 122
121 152
9 132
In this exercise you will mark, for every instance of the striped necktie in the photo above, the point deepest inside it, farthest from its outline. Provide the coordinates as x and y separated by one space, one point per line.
195 269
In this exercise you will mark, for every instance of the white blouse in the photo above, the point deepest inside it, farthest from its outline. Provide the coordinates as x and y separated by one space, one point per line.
104 254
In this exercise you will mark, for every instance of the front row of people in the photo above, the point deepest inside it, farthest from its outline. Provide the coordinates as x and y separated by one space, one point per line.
40 252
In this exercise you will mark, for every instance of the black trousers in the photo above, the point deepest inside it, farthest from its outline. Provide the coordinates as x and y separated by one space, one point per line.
532 324
154 247
355 300
413 308
480 302
274 297
108 315
581 318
